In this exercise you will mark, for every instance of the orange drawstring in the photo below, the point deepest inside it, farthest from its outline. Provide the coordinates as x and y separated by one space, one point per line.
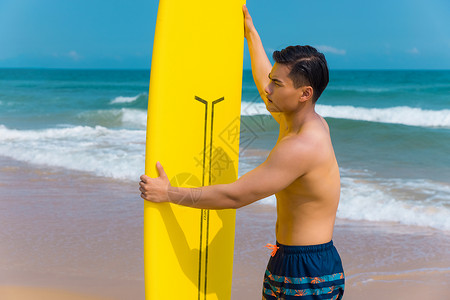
274 248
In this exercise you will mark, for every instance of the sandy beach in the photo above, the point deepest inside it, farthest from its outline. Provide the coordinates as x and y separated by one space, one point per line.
70 235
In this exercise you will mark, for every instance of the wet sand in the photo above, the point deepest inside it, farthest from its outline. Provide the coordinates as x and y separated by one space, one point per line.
70 231
69 235
33 293
381 260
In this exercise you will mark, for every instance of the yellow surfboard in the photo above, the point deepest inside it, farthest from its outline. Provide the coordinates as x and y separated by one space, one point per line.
193 130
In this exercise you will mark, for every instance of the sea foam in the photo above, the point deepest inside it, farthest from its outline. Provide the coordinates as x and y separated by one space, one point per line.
371 201
134 117
119 154
395 115
124 117
122 99
97 150
418 202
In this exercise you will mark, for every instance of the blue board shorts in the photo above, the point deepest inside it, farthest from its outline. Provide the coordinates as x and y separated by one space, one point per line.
304 272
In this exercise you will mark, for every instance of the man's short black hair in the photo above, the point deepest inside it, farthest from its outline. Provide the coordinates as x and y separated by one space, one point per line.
308 67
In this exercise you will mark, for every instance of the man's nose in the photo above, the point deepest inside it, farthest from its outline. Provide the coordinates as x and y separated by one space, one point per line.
267 89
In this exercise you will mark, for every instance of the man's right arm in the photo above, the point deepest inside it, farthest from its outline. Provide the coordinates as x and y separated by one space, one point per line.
288 160
261 65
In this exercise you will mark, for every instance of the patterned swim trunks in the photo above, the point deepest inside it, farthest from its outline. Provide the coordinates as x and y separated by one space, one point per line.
304 272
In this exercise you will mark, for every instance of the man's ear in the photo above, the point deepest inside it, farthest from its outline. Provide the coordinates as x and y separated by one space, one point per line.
306 93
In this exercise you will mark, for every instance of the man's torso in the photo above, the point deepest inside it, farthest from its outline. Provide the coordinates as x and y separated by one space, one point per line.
306 209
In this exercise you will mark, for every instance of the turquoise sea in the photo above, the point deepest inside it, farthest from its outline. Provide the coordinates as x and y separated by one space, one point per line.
390 130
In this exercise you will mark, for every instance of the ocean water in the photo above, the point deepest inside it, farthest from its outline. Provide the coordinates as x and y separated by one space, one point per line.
390 130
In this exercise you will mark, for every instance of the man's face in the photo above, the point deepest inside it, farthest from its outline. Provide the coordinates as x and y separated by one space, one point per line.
281 94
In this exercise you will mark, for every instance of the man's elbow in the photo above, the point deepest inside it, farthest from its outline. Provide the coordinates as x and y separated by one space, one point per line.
239 200
238 196
232 201
236 204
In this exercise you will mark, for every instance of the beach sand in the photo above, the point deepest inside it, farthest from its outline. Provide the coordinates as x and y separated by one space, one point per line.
12 293
69 235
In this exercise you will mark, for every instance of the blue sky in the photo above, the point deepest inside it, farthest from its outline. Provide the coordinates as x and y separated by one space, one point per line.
353 34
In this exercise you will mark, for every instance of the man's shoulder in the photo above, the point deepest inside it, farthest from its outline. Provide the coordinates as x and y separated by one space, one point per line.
309 138
316 134
296 147
313 145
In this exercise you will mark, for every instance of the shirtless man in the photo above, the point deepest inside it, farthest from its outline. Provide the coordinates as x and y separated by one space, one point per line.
301 170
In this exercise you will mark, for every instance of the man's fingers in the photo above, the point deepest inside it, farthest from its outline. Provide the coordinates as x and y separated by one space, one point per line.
144 178
245 11
160 169
154 189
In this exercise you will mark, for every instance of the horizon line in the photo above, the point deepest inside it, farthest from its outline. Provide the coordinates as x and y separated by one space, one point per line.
244 69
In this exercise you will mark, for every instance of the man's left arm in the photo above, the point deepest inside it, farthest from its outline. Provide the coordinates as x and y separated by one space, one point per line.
287 161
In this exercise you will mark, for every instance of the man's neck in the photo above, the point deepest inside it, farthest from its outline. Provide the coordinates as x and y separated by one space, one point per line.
294 121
